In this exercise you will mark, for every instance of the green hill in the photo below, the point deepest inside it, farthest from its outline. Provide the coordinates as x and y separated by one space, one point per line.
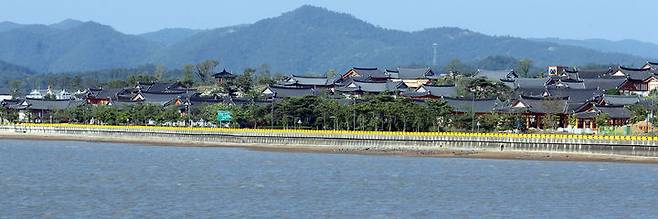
312 39
308 39
69 47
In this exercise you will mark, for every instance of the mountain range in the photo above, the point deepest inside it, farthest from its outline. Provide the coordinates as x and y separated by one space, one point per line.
307 39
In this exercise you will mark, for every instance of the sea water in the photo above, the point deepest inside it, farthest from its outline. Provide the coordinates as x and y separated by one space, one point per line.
64 179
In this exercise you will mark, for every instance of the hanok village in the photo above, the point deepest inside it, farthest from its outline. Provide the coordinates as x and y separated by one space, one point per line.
568 93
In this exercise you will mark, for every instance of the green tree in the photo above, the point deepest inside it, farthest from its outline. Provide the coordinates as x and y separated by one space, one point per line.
523 67
573 121
134 79
169 114
15 86
602 120
205 69
159 72
550 121
456 67
75 83
115 84
638 112
613 91
440 111
483 88
188 77
244 82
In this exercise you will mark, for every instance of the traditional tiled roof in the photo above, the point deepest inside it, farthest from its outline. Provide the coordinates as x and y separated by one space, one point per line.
531 82
282 92
639 75
575 95
603 83
497 74
369 73
13 104
40 104
615 112
161 99
197 98
162 87
295 80
5 91
531 86
565 83
106 93
441 90
466 105
620 100
372 87
414 73
223 74
550 105
594 73
570 76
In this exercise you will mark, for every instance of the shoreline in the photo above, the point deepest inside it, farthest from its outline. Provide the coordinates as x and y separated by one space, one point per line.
436 152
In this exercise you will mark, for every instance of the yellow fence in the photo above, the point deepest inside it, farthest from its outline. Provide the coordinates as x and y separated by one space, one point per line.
327 132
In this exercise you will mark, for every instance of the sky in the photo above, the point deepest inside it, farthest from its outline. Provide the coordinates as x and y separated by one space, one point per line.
574 19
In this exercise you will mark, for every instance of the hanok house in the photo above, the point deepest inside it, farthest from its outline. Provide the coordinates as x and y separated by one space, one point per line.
639 83
107 96
535 109
651 65
586 115
223 76
623 71
40 110
412 77
357 88
162 99
366 74
432 92
279 92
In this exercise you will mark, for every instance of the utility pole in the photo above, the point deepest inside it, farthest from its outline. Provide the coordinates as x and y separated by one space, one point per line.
434 46
272 112
473 113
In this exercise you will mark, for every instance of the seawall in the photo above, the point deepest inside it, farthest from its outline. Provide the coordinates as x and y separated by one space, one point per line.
639 146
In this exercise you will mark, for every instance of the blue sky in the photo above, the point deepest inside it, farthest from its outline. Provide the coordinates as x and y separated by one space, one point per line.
578 19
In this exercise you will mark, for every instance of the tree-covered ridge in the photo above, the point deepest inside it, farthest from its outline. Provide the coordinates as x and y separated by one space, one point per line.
66 48
308 39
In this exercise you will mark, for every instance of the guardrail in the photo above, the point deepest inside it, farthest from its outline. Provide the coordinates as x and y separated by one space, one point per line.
346 132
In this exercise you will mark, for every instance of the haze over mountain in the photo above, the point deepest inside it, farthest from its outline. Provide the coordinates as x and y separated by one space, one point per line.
308 39
632 47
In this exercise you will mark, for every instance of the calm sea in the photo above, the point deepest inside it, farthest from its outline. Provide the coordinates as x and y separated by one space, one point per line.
61 179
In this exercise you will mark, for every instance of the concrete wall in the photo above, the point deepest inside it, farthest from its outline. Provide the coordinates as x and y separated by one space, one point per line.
637 146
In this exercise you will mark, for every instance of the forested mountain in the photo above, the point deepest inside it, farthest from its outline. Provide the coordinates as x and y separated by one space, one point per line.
10 71
72 46
314 39
170 35
633 47
308 39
